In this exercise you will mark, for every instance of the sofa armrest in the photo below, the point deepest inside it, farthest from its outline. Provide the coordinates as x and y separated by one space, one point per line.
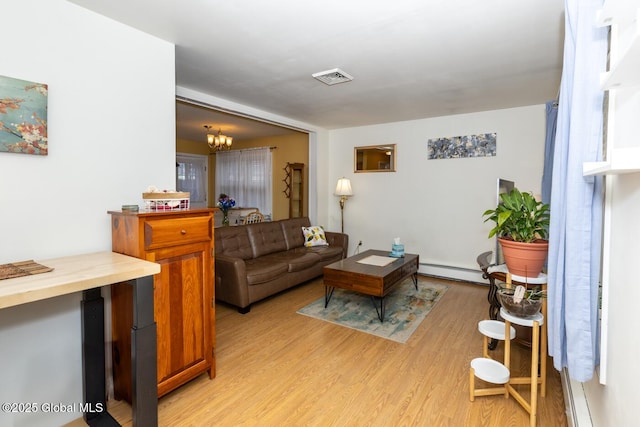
231 281
338 239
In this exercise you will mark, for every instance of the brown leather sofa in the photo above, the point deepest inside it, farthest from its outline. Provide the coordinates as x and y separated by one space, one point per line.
256 261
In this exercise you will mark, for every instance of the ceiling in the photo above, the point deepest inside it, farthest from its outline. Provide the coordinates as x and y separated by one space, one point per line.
410 59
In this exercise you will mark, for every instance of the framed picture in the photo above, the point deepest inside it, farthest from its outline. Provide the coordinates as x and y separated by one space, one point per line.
375 158
23 117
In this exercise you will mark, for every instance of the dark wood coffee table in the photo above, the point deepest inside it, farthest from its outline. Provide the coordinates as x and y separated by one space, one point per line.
376 281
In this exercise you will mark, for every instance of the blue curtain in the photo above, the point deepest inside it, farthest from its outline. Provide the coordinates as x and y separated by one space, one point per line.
576 201
549 146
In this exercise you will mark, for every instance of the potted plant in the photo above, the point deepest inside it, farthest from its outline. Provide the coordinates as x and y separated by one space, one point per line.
522 224
525 304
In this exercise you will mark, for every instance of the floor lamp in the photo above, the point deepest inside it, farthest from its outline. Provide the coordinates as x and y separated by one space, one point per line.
343 189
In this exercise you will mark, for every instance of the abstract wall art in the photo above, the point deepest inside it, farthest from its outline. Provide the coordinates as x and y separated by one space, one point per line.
481 145
23 117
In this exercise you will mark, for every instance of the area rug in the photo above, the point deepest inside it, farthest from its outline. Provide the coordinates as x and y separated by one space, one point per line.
405 309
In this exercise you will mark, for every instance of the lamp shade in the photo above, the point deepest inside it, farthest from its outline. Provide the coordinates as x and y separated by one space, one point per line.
344 187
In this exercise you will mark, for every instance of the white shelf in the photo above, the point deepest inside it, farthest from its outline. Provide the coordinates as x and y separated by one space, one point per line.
495 329
624 73
615 10
490 370
541 279
623 160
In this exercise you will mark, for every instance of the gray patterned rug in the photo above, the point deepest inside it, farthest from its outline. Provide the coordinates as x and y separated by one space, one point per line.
405 309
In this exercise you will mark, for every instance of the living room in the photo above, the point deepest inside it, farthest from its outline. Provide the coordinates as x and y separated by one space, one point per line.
112 134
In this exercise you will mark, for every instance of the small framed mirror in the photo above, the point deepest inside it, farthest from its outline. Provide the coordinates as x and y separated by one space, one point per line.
375 158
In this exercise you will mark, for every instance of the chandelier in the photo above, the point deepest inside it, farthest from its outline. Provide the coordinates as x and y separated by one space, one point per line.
218 141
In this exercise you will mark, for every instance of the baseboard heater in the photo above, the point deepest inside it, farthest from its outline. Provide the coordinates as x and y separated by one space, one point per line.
575 401
452 273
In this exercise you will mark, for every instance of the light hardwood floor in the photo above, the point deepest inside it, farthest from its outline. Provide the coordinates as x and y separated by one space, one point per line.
279 368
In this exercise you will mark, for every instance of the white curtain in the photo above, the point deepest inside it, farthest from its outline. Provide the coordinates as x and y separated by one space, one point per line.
245 175
576 201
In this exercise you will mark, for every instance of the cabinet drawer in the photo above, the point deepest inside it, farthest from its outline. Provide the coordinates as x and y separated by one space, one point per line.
409 269
176 231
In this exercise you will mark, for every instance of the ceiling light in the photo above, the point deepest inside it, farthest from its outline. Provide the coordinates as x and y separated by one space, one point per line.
332 77
218 141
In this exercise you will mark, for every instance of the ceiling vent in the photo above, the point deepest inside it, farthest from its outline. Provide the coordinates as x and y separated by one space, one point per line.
332 77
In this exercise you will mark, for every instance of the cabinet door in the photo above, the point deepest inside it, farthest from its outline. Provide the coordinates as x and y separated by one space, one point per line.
182 311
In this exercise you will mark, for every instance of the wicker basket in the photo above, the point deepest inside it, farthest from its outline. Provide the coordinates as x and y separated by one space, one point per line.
178 201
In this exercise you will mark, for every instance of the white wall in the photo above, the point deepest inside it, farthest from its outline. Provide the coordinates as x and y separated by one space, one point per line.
111 127
435 206
615 404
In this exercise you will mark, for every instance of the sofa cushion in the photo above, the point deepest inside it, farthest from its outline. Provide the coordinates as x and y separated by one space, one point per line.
233 242
303 262
297 259
292 229
326 252
314 236
266 238
261 270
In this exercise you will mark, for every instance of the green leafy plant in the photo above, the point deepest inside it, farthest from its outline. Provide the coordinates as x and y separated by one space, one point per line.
519 216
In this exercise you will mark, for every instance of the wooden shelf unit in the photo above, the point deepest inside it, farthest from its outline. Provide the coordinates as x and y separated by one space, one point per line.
294 180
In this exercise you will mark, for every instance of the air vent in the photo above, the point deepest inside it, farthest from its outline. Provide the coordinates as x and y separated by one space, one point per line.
332 77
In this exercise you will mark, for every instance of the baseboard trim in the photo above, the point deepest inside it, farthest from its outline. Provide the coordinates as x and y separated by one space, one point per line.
575 401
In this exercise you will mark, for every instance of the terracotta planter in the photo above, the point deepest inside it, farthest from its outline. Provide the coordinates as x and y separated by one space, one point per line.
524 259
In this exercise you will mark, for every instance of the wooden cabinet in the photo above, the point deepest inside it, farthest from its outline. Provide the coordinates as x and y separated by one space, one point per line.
184 310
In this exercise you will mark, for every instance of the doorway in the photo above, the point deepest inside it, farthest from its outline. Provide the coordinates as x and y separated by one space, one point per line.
289 144
192 176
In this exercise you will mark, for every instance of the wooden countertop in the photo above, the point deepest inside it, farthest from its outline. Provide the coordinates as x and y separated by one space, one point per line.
74 274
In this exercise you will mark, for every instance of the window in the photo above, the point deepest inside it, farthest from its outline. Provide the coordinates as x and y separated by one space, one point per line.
245 175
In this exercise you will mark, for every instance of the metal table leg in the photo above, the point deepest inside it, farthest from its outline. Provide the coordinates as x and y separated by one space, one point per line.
143 354
381 311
